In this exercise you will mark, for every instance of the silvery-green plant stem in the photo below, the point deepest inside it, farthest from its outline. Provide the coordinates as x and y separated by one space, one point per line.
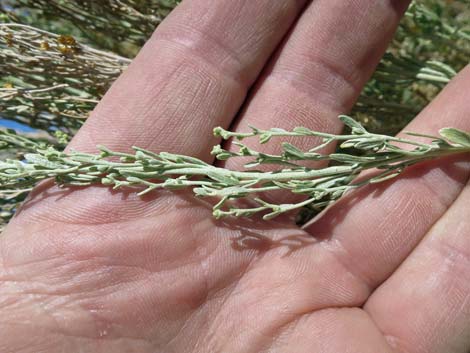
147 171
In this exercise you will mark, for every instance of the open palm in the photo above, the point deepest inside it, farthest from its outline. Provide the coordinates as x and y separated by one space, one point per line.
384 270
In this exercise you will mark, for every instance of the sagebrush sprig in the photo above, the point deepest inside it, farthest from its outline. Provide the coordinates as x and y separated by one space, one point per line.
148 171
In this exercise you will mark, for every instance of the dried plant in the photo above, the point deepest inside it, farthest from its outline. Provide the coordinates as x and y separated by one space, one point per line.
52 80
130 21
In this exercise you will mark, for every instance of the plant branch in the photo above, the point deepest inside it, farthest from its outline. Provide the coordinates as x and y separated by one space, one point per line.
147 171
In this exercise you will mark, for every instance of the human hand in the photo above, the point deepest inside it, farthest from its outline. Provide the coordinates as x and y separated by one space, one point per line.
384 270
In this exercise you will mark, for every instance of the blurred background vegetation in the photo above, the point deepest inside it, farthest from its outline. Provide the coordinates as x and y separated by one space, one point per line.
58 58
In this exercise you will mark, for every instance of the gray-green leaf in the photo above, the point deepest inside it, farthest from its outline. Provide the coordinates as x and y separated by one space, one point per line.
292 150
456 136
224 179
353 124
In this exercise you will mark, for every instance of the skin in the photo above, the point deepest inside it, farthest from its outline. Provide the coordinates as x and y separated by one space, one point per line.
384 270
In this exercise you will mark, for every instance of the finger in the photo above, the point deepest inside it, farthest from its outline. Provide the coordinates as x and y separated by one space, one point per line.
192 74
373 230
430 292
321 68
